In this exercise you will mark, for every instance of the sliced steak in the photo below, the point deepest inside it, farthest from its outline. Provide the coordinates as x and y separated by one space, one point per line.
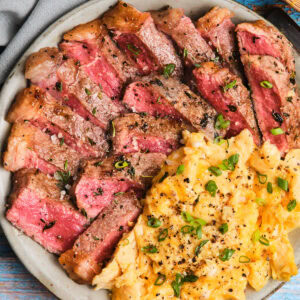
97 243
67 82
91 46
29 147
101 181
38 208
227 94
275 100
44 112
258 38
136 34
161 97
136 132
174 23
217 29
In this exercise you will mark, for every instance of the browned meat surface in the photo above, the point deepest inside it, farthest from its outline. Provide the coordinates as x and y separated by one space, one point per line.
276 104
136 132
174 23
170 98
227 94
44 112
137 36
101 180
258 38
97 243
66 81
91 46
39 209
29 147
217 29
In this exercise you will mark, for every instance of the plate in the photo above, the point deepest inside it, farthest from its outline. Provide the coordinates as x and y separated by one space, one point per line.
43 265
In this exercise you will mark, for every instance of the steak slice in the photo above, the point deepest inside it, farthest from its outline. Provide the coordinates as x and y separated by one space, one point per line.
136 132
136 34
258 38
97 243
227 94
181 29
276 106
161 97
39 209
218 30
101 181
67 82
29 147
43 111
91 46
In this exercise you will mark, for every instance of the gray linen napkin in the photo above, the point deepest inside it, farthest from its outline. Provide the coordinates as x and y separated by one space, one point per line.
43 14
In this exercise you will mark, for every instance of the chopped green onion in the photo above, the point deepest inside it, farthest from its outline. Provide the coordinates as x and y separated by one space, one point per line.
219 141
277 131
94 110
215 170
168 70
211 187
180 169
187 229
199 232
154 222
198 248
269 188
118 194
158 100
244 259
149 249
223 228
66 165
260 201
98 163
187 217
197 65
133 49
113 129
163 177
190 278
121 164
255 236
185 53
283 184
229 85
230 163
264 241
163 235
198 221
176 284
262 178
266 84
292 204
226 254
161 278
221 123
87 91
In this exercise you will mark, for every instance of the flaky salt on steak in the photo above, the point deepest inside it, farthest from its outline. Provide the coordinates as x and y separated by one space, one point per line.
137 132
39 209
137 36
91 46
96 244
44 112
67 82
217 29
227 94
29 147
161 97
181 29
102 180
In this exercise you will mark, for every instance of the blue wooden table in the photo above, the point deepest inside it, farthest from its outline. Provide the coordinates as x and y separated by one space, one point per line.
17 283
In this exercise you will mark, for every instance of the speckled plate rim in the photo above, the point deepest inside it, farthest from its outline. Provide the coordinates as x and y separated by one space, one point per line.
40 263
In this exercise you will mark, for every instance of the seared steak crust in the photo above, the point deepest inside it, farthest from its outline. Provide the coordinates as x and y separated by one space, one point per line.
41 211
136 132
136 34
97 243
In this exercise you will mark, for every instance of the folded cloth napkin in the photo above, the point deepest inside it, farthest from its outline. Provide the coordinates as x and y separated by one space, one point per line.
42 15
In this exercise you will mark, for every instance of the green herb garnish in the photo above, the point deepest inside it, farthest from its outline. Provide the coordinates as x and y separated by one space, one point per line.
266 84
226 254
211 187
221 123
154 222
168 70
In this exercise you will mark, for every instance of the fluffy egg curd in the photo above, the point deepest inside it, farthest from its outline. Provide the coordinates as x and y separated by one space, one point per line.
216 219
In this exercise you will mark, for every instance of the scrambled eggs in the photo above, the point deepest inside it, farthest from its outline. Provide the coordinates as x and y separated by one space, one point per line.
216 219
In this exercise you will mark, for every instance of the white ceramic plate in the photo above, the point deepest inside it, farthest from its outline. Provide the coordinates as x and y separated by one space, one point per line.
40 263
